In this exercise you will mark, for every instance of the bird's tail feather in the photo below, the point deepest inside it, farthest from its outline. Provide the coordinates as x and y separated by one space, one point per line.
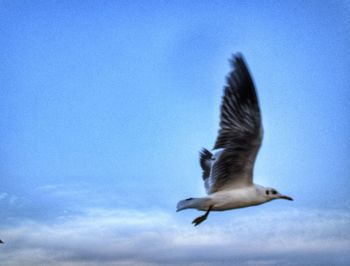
193 203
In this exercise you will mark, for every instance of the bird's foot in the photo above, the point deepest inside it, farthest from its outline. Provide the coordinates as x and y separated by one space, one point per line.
202 218
199 219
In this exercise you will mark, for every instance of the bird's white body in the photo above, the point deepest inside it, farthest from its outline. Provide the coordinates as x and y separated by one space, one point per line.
237 198
227 199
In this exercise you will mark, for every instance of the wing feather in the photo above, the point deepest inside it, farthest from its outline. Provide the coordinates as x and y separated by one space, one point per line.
240 133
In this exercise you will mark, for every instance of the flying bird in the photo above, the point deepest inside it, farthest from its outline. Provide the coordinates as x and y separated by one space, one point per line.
228 169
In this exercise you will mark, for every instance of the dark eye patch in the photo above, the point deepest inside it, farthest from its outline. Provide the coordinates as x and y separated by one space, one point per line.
274 192
267 192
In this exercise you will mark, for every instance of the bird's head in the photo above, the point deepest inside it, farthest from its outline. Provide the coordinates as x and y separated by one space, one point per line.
271 194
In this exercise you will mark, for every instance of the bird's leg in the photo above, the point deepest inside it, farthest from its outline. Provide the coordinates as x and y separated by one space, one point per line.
201 218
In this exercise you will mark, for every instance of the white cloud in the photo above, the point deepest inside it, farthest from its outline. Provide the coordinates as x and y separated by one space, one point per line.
130 237
13 199
47 187
3 195
59 190
8 199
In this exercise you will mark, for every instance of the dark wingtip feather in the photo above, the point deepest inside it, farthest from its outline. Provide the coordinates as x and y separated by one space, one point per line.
204 157
240 67
239 91
237 60
237 56
243 78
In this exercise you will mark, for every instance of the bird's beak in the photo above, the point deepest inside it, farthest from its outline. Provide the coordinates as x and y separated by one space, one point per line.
285 197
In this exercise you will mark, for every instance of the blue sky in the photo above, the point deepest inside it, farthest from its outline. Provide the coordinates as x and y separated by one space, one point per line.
105 105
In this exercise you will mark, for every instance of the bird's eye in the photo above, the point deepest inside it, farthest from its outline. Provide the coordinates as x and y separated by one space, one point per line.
274 192
267 192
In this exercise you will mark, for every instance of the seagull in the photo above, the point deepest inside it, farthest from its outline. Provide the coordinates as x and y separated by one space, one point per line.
228 169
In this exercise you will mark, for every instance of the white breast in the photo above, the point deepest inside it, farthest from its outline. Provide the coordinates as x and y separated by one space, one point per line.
236 198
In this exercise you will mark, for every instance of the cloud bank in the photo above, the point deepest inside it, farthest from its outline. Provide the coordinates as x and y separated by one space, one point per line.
130 237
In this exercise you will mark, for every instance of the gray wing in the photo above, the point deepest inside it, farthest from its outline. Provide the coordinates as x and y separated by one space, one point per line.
240 133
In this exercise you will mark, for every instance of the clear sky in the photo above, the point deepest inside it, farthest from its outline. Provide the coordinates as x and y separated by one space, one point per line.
105 105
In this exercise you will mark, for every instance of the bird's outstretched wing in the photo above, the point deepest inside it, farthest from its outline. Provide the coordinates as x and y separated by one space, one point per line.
240 133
